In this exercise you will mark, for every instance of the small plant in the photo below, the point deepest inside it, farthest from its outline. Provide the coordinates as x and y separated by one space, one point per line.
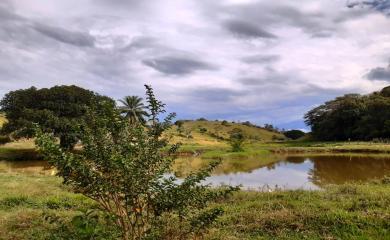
180 128
123 167
202 130
236 139
90 224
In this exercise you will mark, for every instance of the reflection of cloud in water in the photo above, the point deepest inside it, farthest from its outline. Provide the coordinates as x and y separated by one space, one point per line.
285 175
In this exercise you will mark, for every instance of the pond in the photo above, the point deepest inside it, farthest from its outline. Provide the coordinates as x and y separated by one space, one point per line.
279 171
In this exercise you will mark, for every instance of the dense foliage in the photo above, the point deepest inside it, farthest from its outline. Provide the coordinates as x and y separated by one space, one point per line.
57 109
236 139
352 117
294 134
124 167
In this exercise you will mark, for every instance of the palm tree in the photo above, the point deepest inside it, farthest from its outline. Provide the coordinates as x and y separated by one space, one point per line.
133 108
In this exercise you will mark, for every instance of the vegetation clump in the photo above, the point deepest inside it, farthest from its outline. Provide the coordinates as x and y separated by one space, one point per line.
236 140
124 169
294 134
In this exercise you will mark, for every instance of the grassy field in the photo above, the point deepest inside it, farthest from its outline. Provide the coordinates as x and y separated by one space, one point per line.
351 211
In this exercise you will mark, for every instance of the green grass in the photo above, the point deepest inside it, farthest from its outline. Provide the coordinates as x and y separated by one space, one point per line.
330 147
26 200
350 211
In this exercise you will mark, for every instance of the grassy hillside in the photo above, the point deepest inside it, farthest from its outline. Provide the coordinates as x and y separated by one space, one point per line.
216 133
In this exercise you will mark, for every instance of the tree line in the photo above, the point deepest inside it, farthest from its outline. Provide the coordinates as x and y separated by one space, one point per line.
352 117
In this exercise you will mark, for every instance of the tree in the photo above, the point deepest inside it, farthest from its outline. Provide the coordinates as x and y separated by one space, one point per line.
294 134
180 127
133 108
352 117
57 109
236 139
123 167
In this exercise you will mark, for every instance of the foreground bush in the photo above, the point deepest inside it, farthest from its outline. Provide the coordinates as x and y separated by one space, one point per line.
123 168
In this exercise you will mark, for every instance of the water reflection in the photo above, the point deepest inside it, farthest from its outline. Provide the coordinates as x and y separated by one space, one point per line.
287 172
309 172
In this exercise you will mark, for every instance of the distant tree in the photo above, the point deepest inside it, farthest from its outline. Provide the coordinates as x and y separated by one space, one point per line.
57 109
225 123
133 109
247 123
123 167
294 134
236 139
201 119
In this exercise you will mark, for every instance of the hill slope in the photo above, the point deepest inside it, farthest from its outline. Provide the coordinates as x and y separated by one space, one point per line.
214 134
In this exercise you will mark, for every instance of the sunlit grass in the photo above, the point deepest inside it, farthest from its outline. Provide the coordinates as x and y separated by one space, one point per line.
349 211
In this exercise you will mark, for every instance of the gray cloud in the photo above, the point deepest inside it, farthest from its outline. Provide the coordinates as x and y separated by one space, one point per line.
378 5
177 65
246 30
260 59
63 35
316 23
141 42
379 73
17 28
215 94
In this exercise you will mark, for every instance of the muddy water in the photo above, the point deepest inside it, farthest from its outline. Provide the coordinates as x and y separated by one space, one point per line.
286 172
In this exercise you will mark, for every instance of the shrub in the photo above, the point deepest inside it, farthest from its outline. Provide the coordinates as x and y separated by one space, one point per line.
225 123
202 130
236 139
123 167
294 134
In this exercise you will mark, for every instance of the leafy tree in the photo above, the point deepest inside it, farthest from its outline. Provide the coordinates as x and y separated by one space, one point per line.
133 108
123 167
57 109
352 116
294 134
236 139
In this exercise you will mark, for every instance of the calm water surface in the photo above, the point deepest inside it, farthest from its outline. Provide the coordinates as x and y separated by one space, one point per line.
288 172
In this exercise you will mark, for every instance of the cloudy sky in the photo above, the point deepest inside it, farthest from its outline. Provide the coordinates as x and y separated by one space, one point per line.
262 61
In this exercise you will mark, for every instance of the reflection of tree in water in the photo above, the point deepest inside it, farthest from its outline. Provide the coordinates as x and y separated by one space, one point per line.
341 169
287 160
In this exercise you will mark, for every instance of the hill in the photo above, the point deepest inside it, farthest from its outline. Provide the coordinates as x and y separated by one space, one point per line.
203 134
